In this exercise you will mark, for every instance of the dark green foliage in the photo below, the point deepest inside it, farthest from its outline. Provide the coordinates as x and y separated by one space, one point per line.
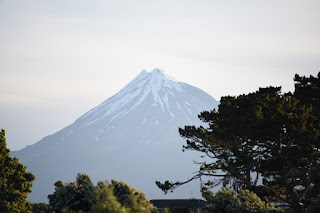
131 199
106 201
307 89
74 196
41 208
15 182
106 197
228 201
314 207
265 134
315 180
314 174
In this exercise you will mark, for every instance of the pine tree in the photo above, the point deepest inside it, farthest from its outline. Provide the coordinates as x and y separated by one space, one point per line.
307 90
15 182
272 135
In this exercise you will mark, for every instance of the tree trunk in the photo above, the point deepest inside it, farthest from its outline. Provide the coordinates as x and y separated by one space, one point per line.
247 180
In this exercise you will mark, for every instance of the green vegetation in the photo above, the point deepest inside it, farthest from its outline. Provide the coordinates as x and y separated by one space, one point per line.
83 196
107 201
263 135
75 196
228 201
122 197
15 182
41 208
315 180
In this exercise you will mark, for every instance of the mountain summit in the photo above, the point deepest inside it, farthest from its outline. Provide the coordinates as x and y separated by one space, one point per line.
132 136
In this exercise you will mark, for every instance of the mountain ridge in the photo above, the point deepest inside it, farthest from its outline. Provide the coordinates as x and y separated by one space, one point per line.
134 129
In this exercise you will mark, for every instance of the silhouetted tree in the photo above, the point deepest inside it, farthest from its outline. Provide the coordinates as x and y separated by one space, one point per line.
307 90
15 182
270 135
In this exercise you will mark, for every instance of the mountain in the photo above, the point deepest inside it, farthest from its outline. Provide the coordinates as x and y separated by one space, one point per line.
132 136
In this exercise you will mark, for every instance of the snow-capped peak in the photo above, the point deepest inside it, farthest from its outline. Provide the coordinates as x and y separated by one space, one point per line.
149 89
140 87
157 71
162 74
156 75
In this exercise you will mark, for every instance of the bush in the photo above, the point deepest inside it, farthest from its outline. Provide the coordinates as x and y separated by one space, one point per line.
130 198
41 208
75 196
106 197
228 201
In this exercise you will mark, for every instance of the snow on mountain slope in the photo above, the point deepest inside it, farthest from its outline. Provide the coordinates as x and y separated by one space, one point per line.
132 136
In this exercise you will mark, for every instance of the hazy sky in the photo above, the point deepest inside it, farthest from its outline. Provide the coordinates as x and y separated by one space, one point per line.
59 59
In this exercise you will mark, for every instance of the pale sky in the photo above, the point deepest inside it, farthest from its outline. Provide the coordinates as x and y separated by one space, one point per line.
59 59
